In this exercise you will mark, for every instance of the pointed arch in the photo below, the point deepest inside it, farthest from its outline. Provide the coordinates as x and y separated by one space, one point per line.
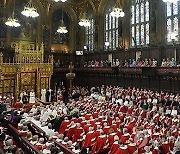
172 21
66 8
140 23
37 3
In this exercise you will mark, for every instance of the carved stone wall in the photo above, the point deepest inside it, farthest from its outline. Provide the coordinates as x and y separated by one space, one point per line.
75 8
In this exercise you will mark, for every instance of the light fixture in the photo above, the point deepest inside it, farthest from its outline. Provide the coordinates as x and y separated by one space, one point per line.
12 21
62 28
117 11
84 22
170 1
60 0
30 10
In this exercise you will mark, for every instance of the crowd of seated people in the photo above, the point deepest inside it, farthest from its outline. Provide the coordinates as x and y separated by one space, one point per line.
131 63
109 119
59 63
169 63
126 63
7 143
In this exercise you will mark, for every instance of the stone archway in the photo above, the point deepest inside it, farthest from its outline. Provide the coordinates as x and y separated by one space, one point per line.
40 19
73 21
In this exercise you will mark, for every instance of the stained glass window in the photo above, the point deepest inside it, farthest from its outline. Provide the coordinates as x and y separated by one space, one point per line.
111 29
139 23
172 15
89 35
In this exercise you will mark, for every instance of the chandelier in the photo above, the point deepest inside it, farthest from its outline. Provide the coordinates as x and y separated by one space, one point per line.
12 21
117 11
60 0
84 21
62 28
170 1
30 10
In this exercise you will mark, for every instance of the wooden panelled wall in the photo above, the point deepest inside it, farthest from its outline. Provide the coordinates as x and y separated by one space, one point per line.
158 53
169 82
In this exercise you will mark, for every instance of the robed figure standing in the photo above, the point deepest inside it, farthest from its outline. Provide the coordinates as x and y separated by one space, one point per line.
43 95
32 97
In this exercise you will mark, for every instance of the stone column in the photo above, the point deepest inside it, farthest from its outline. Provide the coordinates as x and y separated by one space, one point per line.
17 84
8 38
101 32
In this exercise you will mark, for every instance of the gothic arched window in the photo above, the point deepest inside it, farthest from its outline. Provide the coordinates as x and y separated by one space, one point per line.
172 15
111 30
139 23
90 33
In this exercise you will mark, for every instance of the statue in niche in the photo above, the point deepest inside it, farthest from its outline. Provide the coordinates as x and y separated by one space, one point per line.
23 33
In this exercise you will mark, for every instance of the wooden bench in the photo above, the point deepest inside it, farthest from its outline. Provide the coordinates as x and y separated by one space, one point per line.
30 147
36 130
63 148
22 142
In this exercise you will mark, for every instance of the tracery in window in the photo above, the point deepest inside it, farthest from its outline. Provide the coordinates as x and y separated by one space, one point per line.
172 21
139 23
111 29
90 33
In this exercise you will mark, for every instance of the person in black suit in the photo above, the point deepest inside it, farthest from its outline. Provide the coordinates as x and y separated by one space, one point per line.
65 96
47 95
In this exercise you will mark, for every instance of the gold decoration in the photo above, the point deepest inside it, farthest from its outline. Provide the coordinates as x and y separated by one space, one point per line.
27 69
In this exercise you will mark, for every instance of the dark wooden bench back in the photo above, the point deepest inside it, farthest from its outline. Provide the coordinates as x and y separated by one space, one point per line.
36 130
22 142
63 148
30 147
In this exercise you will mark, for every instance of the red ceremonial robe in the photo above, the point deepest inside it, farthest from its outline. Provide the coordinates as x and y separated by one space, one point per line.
125 137
114 148
155 151
99 144
86 127
97 132
63 126
111 138
132 148
71 132
40 146
106 130
122 150
89 139
114 127
165 147
87 116
77 134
